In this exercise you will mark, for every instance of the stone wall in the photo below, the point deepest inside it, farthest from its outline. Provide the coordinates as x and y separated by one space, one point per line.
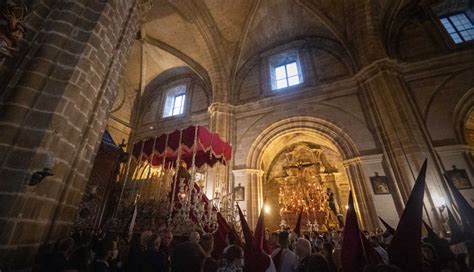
55 107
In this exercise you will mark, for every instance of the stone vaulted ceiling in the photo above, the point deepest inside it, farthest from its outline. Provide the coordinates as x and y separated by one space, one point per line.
215 38
219 36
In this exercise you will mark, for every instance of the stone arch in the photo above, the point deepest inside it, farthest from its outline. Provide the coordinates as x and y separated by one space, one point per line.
448 107
331 47
468 125
463 118
329 131
318 130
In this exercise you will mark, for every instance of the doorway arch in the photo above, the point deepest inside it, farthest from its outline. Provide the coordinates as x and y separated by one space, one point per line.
273 140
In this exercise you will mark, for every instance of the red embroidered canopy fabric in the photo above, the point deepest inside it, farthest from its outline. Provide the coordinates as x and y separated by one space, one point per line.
209 149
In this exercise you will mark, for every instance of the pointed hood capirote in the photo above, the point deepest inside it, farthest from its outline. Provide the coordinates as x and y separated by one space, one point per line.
457 235
297 228
389 228
248 237
352 255
255 258
259 234
405 248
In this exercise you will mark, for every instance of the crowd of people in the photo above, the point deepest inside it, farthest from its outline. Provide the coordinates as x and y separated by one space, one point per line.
286 252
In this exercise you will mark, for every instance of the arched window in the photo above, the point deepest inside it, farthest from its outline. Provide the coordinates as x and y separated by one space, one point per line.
174 101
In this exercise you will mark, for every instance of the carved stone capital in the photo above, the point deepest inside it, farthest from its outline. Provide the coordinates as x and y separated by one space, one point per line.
374 69
218 107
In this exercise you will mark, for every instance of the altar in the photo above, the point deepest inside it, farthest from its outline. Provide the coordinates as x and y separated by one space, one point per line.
304 180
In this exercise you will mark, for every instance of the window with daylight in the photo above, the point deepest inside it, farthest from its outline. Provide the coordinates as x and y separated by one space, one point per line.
285 70
174 103
459 27
287 75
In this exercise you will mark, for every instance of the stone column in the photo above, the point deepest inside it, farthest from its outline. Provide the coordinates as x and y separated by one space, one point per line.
221 119
363 200
53 112
404 138
221 115
251 179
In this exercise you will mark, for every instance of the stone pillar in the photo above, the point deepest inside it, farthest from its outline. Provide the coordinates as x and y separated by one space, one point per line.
252 180
221 117
363 200
404 138
53 112
383 205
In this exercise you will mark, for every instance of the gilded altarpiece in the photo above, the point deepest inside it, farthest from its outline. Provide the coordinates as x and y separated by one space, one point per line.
305 176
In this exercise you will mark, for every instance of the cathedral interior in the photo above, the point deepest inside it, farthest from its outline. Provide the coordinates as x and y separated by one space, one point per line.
279 105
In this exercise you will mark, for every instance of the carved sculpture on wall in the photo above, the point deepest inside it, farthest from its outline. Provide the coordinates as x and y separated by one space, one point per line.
12 30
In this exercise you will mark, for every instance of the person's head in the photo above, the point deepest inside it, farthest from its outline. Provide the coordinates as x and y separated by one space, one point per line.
274 238
317 262
234 254
107 250
144 237
194 237
303 248
292 236
428 251
187 257
318 241
166 238
80 259
65 245
327 248
154 242
207 243
374 241
283 239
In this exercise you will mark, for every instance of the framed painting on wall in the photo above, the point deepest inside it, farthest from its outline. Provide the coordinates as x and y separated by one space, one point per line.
380 184
459 178
239 193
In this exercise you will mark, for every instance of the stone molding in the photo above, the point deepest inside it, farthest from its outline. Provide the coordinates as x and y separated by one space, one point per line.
241 172
376 158
453 149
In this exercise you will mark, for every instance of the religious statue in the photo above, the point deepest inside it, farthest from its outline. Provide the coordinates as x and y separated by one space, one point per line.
12 29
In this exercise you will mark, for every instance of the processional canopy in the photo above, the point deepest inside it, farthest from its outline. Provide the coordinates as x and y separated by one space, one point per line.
195 146
207 148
